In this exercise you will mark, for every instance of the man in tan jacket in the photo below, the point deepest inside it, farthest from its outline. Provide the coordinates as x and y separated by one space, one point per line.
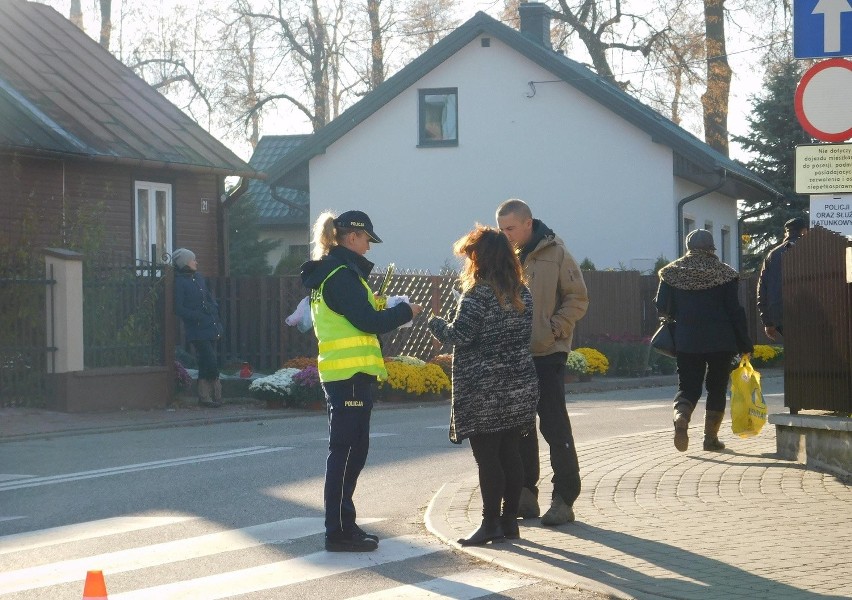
560 299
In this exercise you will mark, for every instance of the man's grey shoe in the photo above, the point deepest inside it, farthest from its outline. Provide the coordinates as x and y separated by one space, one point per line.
559 513
528 505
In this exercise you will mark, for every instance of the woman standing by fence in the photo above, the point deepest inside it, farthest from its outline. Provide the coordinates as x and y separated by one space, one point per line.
195 305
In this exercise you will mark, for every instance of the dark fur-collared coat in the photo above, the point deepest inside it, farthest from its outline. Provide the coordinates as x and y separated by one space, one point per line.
495 387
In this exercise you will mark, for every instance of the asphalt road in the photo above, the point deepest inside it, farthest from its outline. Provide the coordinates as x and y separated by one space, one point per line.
235 510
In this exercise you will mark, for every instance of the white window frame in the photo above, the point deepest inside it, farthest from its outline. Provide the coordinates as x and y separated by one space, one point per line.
725 244
142 255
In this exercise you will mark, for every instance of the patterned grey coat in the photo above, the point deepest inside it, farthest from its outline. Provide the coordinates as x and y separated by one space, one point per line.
495 387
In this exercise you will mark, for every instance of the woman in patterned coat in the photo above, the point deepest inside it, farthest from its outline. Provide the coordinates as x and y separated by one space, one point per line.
495 388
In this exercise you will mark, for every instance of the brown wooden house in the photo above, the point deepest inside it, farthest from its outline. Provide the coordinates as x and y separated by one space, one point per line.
84 141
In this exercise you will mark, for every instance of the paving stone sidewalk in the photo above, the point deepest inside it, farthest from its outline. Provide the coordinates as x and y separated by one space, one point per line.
656 523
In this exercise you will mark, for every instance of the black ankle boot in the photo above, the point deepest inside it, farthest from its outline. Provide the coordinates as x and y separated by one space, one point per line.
490 530
509 523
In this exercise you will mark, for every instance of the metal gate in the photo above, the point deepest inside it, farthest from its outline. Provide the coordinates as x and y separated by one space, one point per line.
817 324
27 302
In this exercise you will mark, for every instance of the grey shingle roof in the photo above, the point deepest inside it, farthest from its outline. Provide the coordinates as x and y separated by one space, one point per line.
270 149
62 93
292 169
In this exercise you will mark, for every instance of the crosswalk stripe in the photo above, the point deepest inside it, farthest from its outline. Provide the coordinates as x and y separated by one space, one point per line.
576 414
160 554
82 531
643 407
461 586
159 464
286 572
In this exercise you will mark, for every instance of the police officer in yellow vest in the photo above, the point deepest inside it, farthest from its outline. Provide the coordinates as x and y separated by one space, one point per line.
347 323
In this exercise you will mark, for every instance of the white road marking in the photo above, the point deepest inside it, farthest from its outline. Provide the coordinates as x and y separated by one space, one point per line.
576 414
81 531
159 464
461 586
12 476
286 572
9 519
445 427
153 555
643 407
372 435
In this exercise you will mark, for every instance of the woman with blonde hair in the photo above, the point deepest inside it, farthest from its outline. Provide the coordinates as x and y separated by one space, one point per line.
495 387
347 322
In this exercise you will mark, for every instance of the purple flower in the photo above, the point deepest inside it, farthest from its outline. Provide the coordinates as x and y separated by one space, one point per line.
184 381
307 377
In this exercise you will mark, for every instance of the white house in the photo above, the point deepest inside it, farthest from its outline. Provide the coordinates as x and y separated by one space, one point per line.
491 113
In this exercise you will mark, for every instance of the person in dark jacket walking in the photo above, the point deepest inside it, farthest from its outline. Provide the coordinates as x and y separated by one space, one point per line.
495 388
699 292
769 292
195 305
347 322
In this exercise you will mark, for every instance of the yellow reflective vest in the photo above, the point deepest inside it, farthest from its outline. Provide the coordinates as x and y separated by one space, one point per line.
344 350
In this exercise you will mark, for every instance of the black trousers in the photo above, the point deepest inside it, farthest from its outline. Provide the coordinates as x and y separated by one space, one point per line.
498 457
349 406
205 353
710 369
556 430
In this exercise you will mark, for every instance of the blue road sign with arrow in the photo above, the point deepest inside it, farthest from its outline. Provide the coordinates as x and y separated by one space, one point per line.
822 28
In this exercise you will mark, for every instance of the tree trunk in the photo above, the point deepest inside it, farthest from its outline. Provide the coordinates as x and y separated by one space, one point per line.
76 14
106 22
319 67
377 51
715 98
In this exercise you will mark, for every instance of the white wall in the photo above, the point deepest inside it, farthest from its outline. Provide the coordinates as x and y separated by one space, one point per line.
715 208
599 182
287 237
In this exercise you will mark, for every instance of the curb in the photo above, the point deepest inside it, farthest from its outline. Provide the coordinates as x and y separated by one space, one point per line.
441 504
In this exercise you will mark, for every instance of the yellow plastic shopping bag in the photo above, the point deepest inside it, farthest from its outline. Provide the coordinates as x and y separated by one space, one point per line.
748 410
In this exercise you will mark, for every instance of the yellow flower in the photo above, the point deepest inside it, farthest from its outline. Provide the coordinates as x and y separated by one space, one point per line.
416 379
596 362
763 352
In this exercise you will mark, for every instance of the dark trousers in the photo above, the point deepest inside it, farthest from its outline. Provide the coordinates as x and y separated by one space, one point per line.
501 471
349 406
205 353
556 430
711 369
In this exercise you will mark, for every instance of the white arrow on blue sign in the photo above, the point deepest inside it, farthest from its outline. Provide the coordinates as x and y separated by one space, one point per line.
822 28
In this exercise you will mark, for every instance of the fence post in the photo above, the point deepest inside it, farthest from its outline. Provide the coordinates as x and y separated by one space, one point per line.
65 324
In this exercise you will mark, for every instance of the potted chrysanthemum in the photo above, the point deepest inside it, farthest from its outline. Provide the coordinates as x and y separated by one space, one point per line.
275 389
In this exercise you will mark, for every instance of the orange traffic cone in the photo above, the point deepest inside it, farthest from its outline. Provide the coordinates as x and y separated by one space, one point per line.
95 588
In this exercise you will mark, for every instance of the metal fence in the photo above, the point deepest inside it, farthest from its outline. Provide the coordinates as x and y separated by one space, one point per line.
123 309
25 353
254 308
817 324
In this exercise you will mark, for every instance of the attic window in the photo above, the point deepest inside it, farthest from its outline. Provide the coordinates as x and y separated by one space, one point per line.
438 113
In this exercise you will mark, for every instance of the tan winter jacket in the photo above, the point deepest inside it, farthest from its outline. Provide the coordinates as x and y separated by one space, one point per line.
560 298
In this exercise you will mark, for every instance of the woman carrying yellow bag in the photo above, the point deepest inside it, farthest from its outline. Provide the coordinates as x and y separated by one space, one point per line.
748 410
699 293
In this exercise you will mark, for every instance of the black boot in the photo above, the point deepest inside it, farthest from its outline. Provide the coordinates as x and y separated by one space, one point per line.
509 523
489 531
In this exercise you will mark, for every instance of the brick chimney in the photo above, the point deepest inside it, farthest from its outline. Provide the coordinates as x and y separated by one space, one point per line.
535 22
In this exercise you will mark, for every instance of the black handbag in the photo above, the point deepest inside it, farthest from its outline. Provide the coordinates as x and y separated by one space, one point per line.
663 339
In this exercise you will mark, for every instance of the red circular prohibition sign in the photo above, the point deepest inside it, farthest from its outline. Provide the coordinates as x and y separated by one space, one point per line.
841 97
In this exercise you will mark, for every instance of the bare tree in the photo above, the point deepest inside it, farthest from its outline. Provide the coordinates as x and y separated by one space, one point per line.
425 22
106 22
717 95
377 46
601 29
677 57
76 14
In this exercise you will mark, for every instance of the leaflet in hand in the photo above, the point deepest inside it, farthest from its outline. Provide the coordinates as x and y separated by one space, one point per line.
395 300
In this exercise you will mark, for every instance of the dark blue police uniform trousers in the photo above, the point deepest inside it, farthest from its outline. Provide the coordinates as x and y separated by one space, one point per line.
349 406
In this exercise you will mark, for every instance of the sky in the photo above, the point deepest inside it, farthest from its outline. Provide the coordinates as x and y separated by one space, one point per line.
743 57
